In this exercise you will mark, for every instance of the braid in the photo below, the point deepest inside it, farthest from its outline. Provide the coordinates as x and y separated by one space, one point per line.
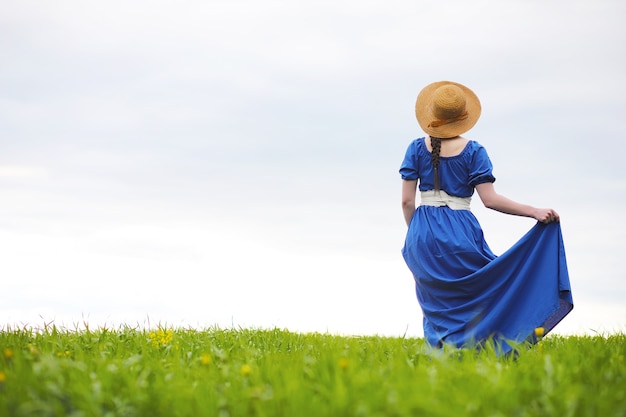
435 143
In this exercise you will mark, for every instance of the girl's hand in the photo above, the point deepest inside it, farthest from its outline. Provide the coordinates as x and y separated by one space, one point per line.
546 215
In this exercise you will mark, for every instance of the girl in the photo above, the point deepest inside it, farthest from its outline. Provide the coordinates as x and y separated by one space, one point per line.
467 294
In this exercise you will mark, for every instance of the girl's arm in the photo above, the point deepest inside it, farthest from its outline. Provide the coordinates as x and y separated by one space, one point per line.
491 199
409 188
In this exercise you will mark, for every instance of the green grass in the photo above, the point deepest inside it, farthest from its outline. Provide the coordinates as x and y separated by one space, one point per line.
247 372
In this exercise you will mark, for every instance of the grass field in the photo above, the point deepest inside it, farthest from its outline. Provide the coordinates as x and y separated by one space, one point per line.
248 372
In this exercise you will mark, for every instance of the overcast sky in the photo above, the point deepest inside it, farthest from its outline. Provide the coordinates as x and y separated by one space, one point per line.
235 163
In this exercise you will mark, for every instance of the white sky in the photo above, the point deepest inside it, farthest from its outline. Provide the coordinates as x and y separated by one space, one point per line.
235 163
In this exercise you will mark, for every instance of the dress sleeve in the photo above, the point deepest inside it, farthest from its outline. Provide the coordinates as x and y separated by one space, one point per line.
409 168
481 169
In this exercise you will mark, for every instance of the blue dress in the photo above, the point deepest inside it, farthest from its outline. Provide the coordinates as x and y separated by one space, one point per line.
466 292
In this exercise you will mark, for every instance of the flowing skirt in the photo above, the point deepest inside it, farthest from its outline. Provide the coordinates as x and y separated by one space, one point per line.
469 295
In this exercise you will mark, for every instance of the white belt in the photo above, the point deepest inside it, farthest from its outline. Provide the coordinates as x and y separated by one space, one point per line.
441 198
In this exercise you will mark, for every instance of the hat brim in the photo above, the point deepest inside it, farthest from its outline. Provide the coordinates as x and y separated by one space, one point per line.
425 116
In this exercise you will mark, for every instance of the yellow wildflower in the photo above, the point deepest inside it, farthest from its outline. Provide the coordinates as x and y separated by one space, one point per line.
8 353
539 332
33 349
245 370
161 337
3 377
206 359
343 363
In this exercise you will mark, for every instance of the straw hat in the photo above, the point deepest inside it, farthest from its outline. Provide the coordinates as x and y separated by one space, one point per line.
446 109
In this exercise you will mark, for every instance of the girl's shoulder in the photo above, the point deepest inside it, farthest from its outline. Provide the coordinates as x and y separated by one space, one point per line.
473 147
418 146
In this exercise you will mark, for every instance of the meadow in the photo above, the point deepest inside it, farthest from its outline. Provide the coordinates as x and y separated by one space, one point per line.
255 372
